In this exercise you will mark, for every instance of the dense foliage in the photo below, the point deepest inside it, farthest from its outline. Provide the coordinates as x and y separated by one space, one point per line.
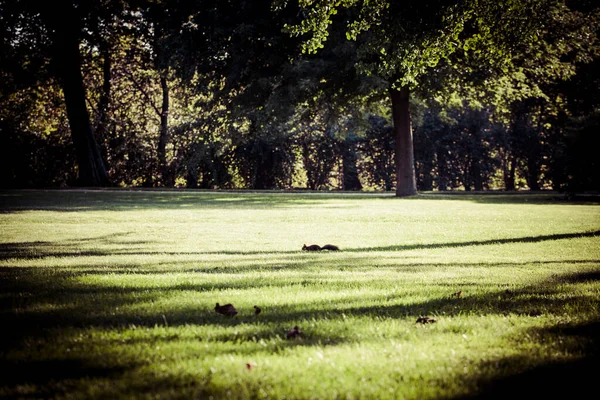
219 94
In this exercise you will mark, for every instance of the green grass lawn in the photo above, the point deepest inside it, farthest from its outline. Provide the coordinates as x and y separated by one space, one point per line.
111 294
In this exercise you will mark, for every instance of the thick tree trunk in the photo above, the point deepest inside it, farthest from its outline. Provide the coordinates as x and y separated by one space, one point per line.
67 59
163 139
406 183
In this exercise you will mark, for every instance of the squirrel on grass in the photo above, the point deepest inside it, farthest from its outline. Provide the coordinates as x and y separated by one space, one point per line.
316 247
312 247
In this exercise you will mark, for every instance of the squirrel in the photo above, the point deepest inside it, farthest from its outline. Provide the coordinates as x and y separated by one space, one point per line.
312 247
293 333
227 309
316 247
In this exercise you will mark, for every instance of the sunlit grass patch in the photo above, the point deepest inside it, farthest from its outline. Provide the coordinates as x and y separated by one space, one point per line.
112 295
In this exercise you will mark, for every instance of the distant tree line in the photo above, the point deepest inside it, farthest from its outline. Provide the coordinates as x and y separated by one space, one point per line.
283 94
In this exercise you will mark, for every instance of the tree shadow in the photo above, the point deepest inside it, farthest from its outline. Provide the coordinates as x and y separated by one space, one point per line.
77 305
17 372
47 285
96 303
73 200
580 277
558 379
503 197
63 248
524 239
75 247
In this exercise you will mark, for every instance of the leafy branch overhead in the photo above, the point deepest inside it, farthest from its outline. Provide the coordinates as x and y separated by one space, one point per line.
403 41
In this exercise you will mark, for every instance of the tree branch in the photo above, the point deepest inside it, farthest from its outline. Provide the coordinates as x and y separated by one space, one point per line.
146 95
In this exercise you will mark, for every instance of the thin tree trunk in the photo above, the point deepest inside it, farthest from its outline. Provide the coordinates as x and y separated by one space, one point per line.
533 174
442 173
509 174
102 126
92 170
535 156
164 132
426 175
406 183
475 166
350 170
477 153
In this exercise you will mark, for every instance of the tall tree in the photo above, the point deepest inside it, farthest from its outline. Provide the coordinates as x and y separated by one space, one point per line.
42 26
159 22
66 59
403 42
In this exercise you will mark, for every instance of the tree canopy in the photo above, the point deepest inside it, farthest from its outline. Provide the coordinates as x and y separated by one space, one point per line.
298 93
404 42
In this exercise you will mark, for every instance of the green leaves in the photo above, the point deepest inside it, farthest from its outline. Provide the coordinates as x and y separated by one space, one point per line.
398 43
404 43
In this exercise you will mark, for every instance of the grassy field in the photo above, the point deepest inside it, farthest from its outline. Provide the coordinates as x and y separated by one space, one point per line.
111 294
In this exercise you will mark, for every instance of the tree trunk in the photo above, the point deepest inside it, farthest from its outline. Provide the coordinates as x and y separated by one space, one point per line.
163 139
425 175
442 173
406 183
102 125
476 177
533 168
67 59
191 179
350 170
509 174
477 154
534 161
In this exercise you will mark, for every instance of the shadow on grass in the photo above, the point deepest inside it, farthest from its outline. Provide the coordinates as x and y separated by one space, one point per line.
73 200
32 288
75 247
17 372
525 239
121 200
98 307
554 380
39 304
26 291
582 277
502 197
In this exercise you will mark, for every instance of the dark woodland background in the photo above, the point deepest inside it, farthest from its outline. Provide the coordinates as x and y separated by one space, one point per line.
220 94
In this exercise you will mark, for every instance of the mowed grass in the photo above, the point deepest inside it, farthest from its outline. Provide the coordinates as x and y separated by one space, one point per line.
111 294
